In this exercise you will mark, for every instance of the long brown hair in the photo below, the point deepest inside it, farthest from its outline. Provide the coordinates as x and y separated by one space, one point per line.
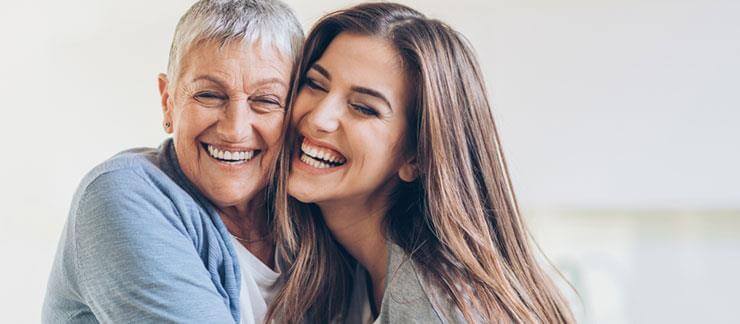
459 220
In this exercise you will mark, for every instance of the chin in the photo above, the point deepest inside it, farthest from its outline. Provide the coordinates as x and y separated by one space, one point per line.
228 199
304 195
303 199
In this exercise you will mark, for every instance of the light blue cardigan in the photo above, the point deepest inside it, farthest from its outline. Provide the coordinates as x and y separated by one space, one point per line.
141 244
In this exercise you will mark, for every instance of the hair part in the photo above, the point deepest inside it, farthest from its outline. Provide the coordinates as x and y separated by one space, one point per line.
459 219
271 23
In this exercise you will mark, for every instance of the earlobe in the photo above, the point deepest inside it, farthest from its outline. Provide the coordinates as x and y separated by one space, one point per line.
408 171
163 84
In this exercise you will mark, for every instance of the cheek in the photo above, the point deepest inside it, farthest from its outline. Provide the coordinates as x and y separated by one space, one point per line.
381 159
383 153
192 121
182 135
301 106
270 129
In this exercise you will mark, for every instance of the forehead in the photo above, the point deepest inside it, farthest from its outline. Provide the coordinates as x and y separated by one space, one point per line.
236 62
366 61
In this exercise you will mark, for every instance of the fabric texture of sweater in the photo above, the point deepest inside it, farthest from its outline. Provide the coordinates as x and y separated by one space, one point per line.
408 298
141 244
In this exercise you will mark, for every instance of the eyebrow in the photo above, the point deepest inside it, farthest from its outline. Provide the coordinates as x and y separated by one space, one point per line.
209 78
321 70
363 90
277 81
222 84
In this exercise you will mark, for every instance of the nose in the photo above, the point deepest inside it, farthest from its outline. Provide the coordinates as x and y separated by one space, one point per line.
325 116
236 124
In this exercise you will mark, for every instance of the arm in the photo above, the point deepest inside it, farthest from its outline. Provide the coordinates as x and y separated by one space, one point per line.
135 262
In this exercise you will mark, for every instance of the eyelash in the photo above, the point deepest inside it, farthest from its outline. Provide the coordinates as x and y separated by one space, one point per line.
264 100
311 83
364 110
209 95
367 111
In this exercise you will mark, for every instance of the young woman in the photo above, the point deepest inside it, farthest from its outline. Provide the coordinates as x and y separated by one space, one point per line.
401 207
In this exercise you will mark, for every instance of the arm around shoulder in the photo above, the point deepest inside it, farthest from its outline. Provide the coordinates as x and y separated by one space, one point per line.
135 262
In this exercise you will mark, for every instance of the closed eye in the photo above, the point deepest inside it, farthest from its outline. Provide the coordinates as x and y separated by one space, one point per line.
210 98
311 83
367 111
265 103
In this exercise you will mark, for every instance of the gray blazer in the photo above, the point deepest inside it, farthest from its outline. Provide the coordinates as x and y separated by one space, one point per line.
408 297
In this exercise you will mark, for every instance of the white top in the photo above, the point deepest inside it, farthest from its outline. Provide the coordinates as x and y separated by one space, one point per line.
258 285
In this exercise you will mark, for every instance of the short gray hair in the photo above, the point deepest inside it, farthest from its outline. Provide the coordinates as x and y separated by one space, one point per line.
271 22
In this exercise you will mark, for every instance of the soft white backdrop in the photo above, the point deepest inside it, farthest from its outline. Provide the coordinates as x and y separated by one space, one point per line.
603 106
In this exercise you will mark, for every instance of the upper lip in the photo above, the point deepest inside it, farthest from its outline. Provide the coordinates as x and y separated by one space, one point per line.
316 142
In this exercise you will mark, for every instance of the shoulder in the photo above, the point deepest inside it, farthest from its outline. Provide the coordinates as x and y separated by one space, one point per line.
414 297
130 166
129 217
132 228
128 193
406 299
129 176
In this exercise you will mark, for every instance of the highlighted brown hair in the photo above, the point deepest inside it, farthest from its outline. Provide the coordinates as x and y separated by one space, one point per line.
459 220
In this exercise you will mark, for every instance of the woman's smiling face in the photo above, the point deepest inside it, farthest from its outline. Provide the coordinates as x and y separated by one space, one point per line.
226 112
350 119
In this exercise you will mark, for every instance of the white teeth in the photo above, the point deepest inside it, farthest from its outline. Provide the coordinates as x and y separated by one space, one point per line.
321 153
316 164
242 156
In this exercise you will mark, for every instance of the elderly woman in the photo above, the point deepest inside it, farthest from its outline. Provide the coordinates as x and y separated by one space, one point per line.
181 233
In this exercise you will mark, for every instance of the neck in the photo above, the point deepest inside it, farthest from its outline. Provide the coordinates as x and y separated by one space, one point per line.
248 222
359 229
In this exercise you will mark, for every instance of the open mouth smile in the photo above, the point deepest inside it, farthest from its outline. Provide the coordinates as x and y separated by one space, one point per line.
230 156
320 157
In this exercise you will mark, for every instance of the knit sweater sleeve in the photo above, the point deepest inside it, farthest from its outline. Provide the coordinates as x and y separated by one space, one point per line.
134 258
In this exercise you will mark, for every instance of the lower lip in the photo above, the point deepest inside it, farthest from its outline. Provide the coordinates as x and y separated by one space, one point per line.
300 165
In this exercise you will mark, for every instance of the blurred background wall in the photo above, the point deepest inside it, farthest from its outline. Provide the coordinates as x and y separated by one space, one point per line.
620 120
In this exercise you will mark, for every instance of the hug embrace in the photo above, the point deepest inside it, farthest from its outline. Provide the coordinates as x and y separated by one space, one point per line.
354 176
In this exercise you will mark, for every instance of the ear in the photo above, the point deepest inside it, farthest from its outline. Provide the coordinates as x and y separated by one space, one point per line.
166 102
409 170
